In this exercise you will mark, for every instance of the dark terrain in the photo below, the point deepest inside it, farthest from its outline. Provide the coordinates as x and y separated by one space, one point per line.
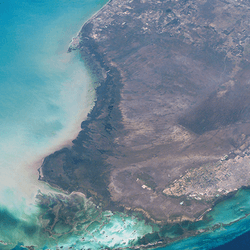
170 123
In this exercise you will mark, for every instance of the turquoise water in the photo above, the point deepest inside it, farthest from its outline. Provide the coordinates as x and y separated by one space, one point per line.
228 220
45 93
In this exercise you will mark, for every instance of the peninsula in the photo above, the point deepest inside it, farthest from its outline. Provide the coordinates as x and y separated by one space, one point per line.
169 134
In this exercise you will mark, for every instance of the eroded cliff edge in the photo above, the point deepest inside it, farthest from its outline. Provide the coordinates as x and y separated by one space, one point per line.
169 133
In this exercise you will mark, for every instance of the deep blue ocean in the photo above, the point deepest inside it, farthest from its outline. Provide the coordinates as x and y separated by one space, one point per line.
45 93
241 242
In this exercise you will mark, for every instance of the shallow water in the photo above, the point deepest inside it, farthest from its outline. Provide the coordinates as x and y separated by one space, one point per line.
45 93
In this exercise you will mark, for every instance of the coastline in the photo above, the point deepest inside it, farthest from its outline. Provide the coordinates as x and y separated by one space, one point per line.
73 46
94 15
106 92
101 119
105 89
74 130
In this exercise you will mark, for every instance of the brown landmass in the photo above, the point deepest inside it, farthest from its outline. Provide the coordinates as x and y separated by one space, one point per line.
169 133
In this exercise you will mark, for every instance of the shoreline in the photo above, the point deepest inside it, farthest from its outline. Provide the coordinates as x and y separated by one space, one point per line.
75 47
105 92
76 128
222 198
97 12
96 64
